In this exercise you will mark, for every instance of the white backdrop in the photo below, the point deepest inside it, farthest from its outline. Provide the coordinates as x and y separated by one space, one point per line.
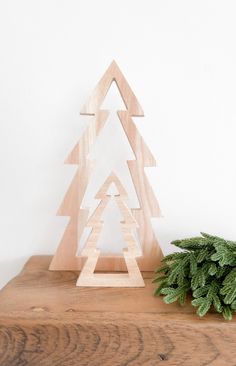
180 59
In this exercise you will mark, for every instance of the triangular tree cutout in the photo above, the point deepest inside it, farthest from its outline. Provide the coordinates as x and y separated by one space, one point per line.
66 255
87 276
113 73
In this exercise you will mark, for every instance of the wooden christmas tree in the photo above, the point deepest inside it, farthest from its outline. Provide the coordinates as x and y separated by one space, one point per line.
66 257
87 276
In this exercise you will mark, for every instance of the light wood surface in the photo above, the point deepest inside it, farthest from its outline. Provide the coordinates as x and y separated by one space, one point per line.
65 257
95 100
81 150
46 321
112 178
141 151
133 277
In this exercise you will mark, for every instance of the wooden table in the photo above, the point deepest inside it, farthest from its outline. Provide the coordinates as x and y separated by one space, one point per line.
45 321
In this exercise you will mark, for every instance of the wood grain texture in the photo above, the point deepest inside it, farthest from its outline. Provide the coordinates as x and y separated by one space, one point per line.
112 178
95 100
65 257
81 150
46 321
141 151
133 277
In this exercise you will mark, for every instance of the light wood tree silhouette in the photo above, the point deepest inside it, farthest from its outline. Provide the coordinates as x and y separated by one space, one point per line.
128 225
66 255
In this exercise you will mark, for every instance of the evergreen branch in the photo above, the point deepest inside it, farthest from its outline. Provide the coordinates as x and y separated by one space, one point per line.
206 270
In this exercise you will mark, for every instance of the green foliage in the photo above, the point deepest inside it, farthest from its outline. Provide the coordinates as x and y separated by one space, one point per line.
205 270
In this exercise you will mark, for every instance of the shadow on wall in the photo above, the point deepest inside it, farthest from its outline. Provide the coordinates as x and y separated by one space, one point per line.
10 269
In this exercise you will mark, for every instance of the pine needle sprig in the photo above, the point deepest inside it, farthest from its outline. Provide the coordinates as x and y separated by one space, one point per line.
205 269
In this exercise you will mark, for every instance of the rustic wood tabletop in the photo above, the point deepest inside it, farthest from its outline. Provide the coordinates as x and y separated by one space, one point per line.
45 320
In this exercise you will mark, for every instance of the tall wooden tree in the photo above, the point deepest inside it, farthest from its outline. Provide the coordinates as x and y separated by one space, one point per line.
65 257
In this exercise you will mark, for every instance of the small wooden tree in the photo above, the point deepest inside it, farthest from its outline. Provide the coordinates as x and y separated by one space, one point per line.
87 276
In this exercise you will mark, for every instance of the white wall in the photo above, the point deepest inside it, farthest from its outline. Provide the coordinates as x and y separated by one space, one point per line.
180 59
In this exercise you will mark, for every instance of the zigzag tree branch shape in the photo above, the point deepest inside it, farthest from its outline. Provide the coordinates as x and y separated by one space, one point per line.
65 257
133 277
